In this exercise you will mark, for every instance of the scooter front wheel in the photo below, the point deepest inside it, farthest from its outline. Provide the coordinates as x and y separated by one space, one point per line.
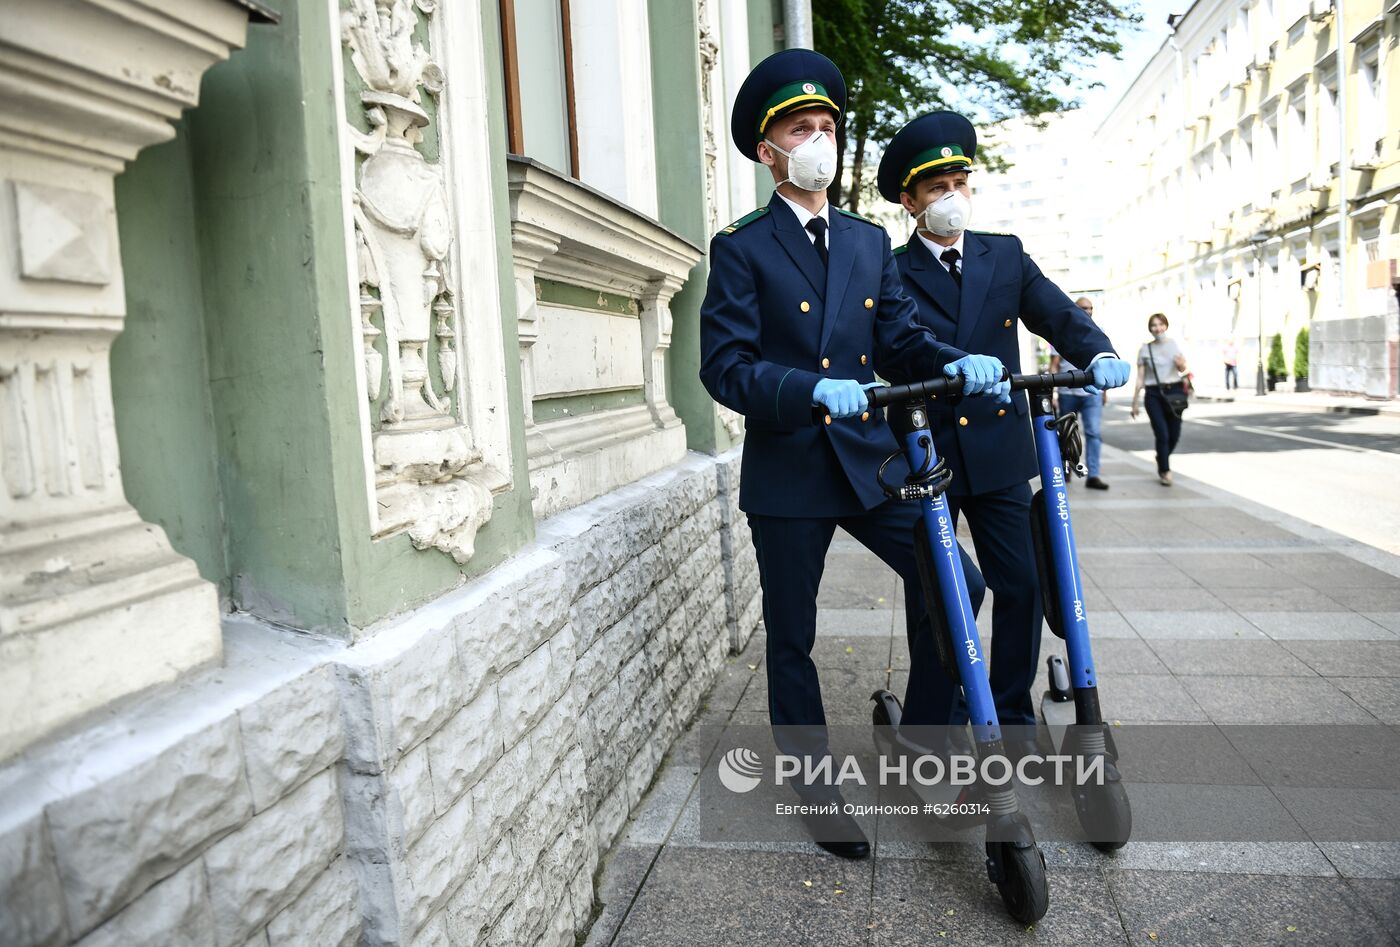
1023 888
1105 814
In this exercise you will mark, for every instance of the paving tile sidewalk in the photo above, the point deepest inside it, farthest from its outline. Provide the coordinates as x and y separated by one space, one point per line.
1204 609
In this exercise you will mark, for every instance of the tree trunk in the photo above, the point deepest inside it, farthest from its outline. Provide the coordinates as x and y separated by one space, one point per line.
857 170
833 190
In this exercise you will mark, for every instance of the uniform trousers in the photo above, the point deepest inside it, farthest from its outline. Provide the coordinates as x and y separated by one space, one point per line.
791 559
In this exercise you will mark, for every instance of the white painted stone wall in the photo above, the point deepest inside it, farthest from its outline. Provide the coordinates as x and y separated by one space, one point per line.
1352 355
743 596
453 779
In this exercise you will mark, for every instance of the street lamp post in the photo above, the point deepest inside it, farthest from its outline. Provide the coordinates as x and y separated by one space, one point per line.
1257 242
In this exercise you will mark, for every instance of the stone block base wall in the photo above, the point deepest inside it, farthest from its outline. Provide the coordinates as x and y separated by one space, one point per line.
453 779
742 595
1355 356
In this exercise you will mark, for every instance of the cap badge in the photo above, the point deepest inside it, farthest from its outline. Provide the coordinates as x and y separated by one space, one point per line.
946 152
808 88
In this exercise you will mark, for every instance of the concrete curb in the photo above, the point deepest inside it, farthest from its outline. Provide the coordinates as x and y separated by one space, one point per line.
1286 402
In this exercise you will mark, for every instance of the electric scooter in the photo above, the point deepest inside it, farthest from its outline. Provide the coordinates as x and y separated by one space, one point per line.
1070 707
1014 862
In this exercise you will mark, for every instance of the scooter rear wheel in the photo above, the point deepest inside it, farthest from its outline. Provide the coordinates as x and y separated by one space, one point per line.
1023 888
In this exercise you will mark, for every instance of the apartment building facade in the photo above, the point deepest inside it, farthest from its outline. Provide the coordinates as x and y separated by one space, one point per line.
1251 179
1040 196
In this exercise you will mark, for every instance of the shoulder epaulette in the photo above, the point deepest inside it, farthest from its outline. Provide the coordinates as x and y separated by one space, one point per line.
994 233
854 216
902 248
745 220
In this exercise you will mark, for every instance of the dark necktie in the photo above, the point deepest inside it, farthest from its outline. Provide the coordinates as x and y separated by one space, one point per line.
817 227
950 257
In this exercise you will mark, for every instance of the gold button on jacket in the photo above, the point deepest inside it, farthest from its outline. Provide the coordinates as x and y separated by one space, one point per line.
1006 324
806 306
862 360
962 421
865 415
1001 412
826 363
869 303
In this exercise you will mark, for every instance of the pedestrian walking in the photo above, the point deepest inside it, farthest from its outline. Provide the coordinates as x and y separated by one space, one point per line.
976 288
1161 373
1232 363
802 308
1088 406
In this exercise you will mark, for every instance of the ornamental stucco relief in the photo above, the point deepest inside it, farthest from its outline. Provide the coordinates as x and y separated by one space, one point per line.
429 474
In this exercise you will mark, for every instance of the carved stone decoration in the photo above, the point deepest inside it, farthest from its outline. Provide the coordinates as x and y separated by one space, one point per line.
63 234
430 480
369 308
709 57
709 60
656 340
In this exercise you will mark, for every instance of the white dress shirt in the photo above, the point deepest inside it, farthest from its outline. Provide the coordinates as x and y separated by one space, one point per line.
937 249
804 215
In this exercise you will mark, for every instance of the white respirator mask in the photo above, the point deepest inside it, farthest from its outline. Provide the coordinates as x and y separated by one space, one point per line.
812 164
949 215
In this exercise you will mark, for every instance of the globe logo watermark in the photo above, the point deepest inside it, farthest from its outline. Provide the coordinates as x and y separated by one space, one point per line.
739 769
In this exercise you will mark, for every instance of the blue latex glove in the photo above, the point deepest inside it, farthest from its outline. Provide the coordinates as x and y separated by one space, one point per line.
842 397
981 375
1108 372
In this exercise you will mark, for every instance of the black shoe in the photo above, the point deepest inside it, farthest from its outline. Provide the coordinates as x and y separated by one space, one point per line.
1094 483
832 829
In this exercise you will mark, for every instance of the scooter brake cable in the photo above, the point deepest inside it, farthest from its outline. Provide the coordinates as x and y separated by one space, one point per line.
1071 436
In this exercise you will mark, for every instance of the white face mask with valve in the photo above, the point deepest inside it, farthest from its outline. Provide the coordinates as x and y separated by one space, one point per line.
949 215
812 164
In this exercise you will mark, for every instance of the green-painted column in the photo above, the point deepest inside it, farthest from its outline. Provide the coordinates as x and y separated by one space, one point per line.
680 182
160 376
284 462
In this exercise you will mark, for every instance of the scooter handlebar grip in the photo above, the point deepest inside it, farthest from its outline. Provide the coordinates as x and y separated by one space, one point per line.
1069 379
894 394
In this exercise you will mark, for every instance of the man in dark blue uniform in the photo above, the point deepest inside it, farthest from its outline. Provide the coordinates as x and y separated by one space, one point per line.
803 306
973 288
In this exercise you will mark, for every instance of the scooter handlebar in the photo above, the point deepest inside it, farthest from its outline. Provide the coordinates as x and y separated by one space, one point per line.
895 394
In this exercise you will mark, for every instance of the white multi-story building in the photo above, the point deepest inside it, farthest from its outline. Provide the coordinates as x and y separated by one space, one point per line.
1040 197
1250 192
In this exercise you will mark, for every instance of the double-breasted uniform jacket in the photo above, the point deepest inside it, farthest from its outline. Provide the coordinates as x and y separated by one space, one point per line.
987 445
774 322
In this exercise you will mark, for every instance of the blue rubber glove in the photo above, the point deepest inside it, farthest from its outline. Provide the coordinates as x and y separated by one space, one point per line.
981 376
842 397
1108 372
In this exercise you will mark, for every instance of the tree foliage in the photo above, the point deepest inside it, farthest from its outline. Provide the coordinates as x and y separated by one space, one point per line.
1277 366
989 60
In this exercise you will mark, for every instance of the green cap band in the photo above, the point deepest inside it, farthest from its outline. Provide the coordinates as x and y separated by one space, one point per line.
950 156
793 96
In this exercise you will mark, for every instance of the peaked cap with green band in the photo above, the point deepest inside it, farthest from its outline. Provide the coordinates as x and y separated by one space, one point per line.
786 81
935 143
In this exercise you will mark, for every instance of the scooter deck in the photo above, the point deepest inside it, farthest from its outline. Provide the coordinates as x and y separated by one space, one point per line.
940 794
1059 716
